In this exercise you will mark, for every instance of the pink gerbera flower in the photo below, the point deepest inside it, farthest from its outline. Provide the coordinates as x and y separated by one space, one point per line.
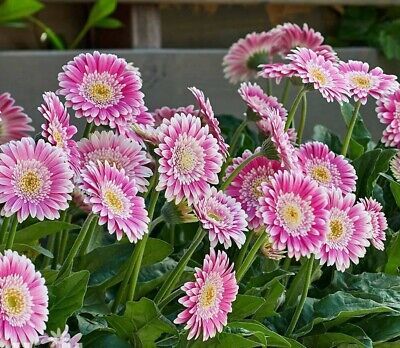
347 235
23 301
246 187
189 159
35 179
276 71
57 129
207 114
14 123
117 150
167 113
314 69
391 134
362 82
259 102
209 298
293 209
243 58
395 166
223 218
329 170
101 88
61 339
388 110
378 222
113 196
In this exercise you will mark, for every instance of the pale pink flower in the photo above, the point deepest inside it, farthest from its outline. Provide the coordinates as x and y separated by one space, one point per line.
166 112
207 115
363 82
378 225
223 217
246 186
208 299
119 151
23 301
391 134
347 234
276 71
35 179
102 88
388 110
259 102
14 123
244 56
322 74
61 339
57 129
113 196
189 158
326 168
293 210
395 166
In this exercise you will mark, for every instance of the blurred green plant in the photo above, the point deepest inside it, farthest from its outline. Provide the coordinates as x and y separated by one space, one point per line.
370 26
19 13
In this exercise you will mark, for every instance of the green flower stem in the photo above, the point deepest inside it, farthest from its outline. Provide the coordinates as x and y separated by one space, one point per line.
89 236
68 263
170 298
58 240
269 87
294 107
237 170
50 246
174 276
64 240
300 305
13 231
3 230
251 256
88 129
141 246
243 250
285 93
350 128
79 37
236 136
302 119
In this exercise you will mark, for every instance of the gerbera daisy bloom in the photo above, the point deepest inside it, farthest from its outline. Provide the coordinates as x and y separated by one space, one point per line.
378 222
388 107
57 130
35 179
223 217
243 58
78 198
102 88
327 168
347 235
276 71
61 339
246 186
314 69
14 123
363 82
189 158
119 151
209 298
293 210
23 301
259 102
269 251
207 114
395 166
166 112
113 196
391 134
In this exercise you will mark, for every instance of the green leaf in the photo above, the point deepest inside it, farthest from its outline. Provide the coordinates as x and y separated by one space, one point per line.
142 323
87 325
104 339
100 10
30 251
386 330
109 23
272 297
14 10
245 305
330 340
324 135
223 340
393 254
65 298
42 229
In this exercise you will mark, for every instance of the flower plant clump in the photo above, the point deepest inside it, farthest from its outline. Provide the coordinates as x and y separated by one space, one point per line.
182 228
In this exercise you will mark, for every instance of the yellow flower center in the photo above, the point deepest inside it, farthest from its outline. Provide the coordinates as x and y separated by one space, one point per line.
215 216
58 138
30 183
321 174
100 93
114 202
13 301
256 186
318 75
186 159
208 295
336 230
361 81
292 215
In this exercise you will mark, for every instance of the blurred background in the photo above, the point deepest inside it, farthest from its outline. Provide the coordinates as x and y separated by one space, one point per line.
180 43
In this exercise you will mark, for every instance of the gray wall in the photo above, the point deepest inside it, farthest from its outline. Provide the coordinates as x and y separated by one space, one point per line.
166 74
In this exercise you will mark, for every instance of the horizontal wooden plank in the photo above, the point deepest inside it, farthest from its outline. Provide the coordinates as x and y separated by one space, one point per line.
249 2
